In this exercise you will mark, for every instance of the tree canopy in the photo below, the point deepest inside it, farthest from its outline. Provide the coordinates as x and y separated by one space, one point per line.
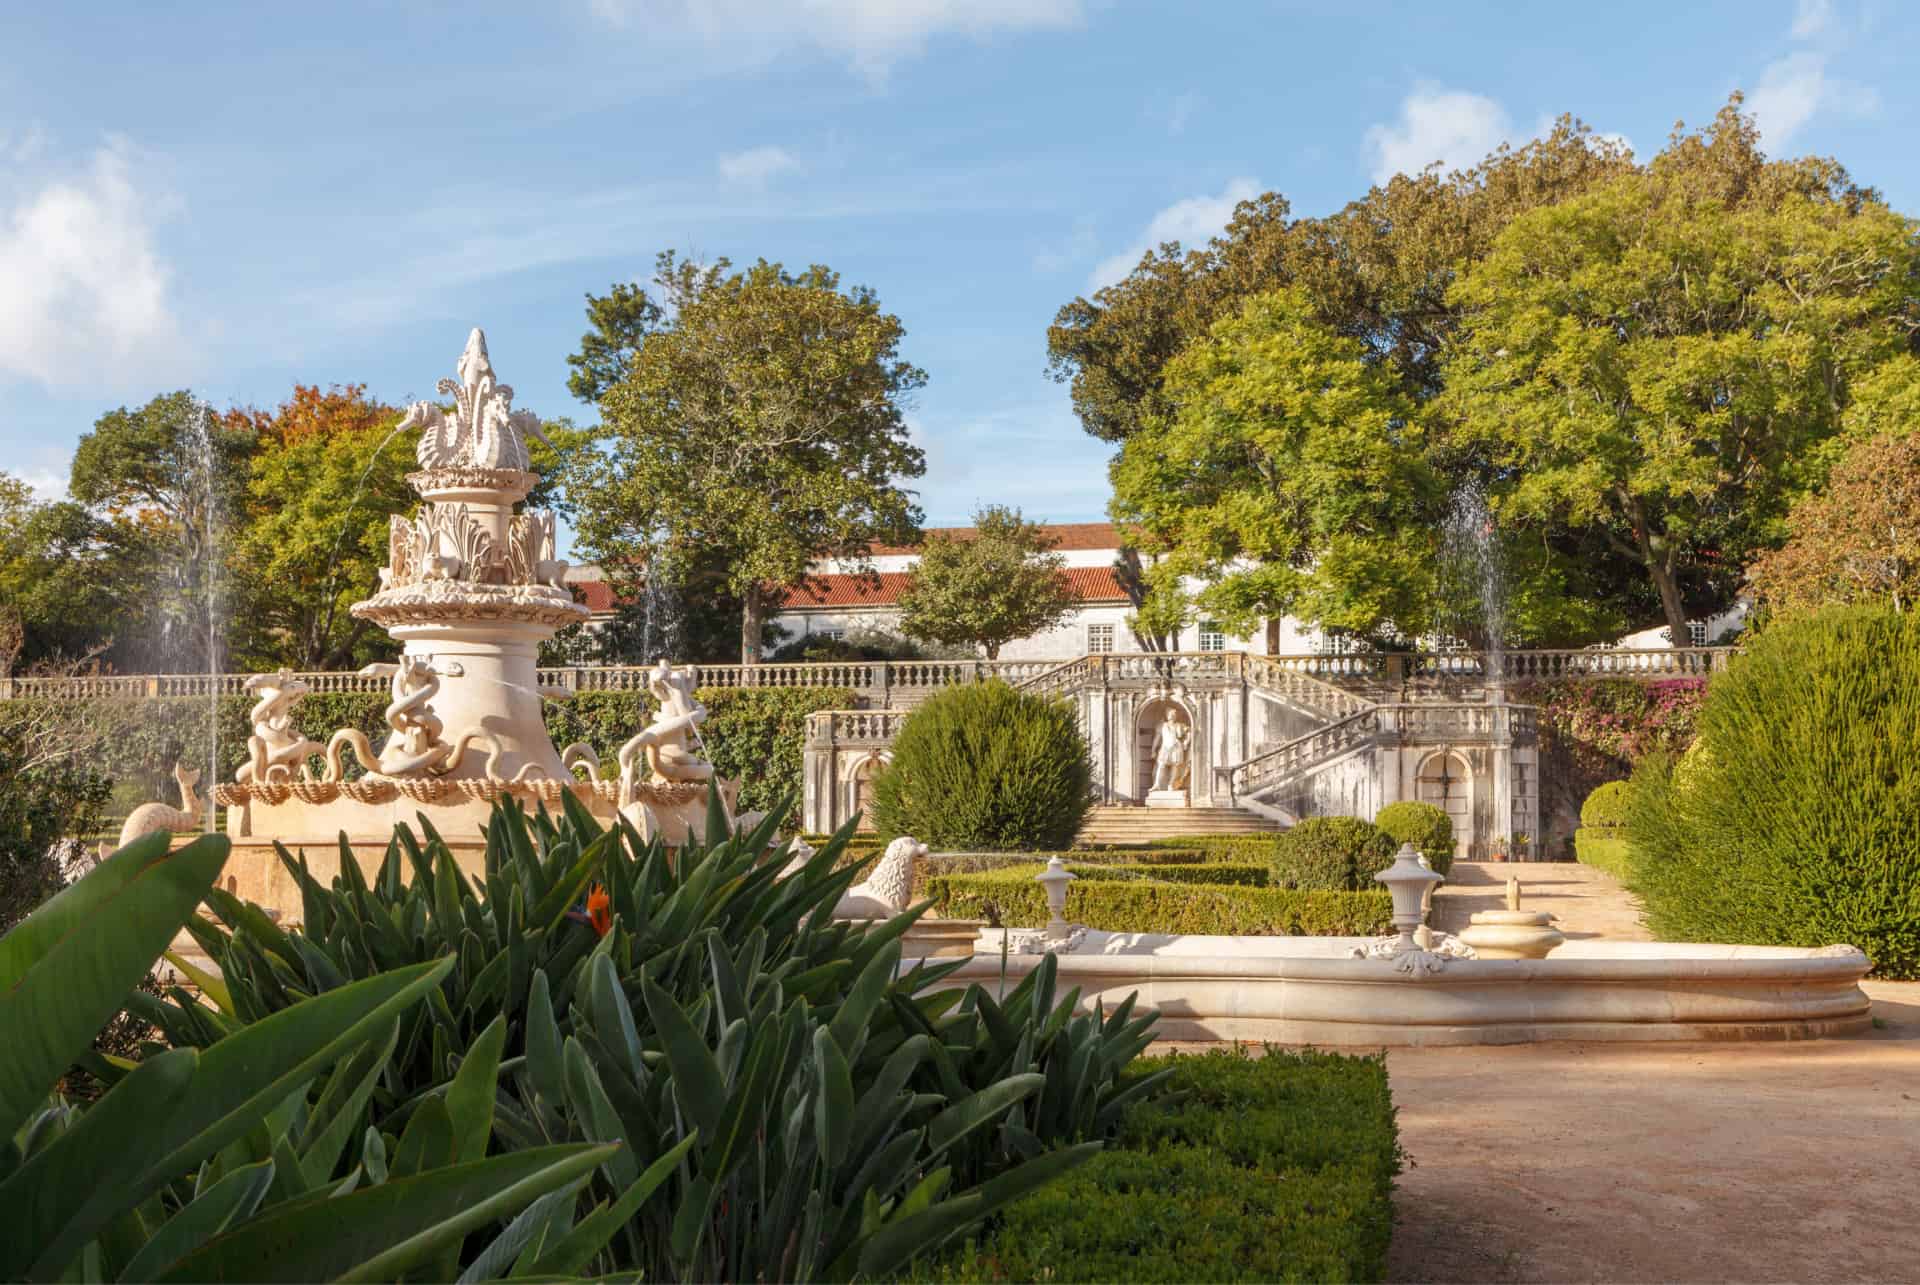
1641 364
762 425
1656 360
986 589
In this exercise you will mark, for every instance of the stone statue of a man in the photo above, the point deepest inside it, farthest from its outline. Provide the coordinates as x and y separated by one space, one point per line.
1170 756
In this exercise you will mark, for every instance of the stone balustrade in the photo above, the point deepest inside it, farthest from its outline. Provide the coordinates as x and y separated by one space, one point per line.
1314 680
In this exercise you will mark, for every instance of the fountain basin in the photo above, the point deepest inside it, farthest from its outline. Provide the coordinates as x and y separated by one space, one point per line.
1306 990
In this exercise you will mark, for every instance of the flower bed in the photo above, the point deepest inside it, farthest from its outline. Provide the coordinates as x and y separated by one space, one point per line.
1277 1168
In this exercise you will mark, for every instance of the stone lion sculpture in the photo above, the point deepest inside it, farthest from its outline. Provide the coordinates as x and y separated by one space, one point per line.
887 890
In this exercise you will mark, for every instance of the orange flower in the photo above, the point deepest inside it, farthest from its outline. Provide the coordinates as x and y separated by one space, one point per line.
600 910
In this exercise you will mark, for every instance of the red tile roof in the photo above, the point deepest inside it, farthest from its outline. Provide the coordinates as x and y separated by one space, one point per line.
597 594
1070 536
1089 584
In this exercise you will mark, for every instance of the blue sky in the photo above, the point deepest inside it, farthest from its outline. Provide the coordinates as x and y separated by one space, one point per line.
236 197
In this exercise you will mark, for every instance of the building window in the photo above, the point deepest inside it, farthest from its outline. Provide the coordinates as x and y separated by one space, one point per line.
831 635
1099 638
1696 633
1212 636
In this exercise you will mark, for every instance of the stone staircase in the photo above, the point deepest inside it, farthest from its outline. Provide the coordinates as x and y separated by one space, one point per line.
1129 825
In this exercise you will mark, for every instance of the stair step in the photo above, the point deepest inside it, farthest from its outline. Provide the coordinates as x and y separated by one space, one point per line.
1121 824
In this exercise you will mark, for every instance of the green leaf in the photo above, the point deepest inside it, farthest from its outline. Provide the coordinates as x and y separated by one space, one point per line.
470 1096
66 969
349 1087
230 1200
888 1250
64 1194
575 1250
428 1142
379 1233
543 1043
697 1084
982 1107
833 1098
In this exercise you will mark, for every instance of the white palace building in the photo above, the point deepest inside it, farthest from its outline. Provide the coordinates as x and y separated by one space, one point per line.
1277 727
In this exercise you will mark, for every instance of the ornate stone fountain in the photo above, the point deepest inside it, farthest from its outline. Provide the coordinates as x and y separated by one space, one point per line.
472 588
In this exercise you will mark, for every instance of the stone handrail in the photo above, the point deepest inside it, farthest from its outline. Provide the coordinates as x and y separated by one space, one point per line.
1264 771
881 680
854 726
1300 687
1411 723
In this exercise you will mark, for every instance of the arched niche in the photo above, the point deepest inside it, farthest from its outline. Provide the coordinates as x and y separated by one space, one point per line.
857 780
1445 780
1146 734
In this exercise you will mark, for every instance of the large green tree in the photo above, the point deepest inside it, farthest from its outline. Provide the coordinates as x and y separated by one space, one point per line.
1655 362
168 483
1001 582
1287 479
761 425
1376 271
64 586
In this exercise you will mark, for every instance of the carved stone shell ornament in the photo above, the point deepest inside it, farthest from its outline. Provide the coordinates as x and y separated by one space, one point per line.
484 430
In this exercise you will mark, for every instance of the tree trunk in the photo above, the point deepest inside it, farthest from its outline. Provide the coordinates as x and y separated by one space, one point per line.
753 623
1657 553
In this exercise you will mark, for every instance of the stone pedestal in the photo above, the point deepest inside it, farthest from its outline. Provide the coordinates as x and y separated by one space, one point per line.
1512 934
1168 799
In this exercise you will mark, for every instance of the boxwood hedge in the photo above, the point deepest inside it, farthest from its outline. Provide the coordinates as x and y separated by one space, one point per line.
1277 1168
1151 904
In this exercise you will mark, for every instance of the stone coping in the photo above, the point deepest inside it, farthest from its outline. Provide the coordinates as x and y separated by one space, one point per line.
1608 991
375 789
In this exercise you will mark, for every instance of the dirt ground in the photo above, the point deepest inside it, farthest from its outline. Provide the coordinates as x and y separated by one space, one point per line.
1681 1162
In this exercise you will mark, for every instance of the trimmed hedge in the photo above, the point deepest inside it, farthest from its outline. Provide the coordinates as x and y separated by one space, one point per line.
1214 872
1153 905
1426 827
1795 819
1604 848
1278 1168
985 767
1605 808
1331 854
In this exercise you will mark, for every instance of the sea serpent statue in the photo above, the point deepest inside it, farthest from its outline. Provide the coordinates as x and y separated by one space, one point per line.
415 748
276 751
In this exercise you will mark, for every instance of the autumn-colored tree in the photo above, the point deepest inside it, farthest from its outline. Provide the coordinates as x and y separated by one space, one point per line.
329 473
986 588
1858 539
760 427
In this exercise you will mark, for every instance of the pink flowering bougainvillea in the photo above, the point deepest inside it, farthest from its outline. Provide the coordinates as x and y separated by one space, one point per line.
1595 730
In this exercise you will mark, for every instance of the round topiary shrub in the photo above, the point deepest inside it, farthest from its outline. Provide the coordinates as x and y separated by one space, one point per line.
985 768
1426 827
1798 823
1331 854
1606 807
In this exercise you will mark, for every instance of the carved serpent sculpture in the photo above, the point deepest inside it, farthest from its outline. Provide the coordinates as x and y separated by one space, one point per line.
276 750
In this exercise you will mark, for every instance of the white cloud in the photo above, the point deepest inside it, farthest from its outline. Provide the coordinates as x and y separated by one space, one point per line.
1191 222
1811 17
84 295
1450 126
47 485
1794 89
871 34
758 166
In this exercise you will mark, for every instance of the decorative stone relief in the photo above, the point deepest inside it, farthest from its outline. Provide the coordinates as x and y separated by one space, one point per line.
1416 961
